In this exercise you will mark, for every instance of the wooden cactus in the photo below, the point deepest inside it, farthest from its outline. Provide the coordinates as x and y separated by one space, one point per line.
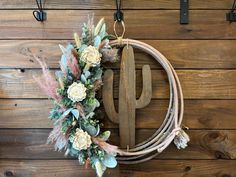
127 96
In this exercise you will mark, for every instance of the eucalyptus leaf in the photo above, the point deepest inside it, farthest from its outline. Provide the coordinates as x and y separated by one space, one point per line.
66 112
109 161
91 130
83 46
90 115
74 152
83 78
75 112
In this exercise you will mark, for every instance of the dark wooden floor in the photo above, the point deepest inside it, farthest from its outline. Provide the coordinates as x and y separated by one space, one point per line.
203 53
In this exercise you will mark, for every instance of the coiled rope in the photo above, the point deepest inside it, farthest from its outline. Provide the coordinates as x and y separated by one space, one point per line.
170 129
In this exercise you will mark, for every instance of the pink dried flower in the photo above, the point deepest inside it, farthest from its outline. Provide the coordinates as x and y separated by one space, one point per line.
87 162
80 107
110 149
72 63
57 137
47 82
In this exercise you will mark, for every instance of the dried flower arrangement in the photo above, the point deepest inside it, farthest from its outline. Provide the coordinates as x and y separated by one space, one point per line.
73 91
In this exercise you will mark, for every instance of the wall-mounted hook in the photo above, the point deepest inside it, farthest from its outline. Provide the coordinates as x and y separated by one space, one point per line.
184 11
231 16
118 15
39 14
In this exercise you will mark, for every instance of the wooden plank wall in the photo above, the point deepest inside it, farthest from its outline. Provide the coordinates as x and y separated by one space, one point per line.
203 53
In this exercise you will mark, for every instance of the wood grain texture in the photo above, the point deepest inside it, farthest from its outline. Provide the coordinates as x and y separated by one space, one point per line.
185 54
164 168
199 114
108 4
161 24
197 84
205 144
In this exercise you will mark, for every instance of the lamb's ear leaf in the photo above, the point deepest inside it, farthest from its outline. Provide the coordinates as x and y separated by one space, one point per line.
100 168
105 135
91 130
109 161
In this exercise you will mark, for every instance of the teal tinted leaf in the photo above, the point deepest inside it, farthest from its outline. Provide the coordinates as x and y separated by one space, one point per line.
109 161
63 62
83 46
75 112
66 112
74 152
86 74
59 74
69 47
83 78
97 41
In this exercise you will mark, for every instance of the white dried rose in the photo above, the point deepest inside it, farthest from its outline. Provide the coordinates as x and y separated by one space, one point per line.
91 56
76 92
81 140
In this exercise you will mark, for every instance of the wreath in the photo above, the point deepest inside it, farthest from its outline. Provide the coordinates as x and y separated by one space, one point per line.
73 92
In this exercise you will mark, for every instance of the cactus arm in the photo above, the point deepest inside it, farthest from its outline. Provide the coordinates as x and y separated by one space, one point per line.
146 94
107 95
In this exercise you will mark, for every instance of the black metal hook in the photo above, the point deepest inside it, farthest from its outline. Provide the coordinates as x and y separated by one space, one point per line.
231 16
118 15
184 11
39 14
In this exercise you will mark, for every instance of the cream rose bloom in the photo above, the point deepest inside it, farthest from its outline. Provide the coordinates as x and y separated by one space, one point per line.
81 140
91 56
76 92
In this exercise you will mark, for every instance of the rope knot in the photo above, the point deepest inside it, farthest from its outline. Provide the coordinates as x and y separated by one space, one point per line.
181 138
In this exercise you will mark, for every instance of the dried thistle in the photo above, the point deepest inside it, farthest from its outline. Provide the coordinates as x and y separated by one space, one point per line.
110 55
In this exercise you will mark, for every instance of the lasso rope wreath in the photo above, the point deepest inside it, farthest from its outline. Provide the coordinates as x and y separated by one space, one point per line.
73 91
